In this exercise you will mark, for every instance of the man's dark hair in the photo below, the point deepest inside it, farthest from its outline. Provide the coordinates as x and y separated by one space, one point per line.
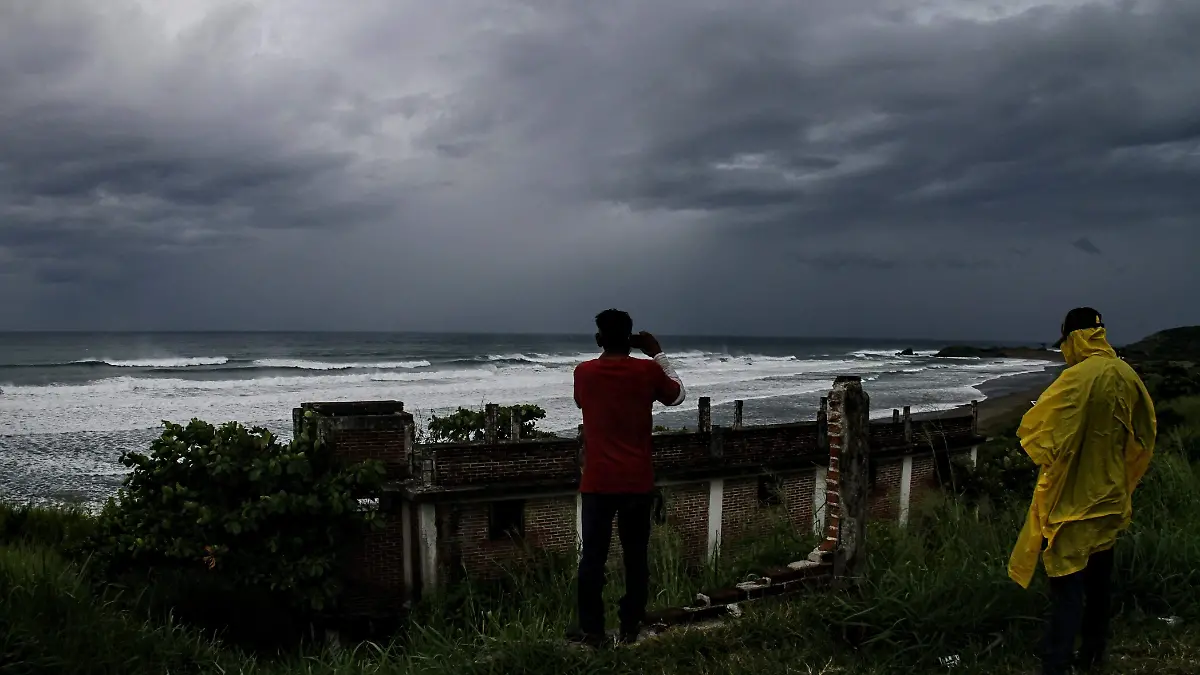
614 327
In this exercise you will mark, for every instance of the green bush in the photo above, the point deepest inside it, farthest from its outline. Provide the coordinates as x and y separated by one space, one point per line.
240 509
468 426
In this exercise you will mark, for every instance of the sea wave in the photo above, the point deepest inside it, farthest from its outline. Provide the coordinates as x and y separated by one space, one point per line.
164 362
303 364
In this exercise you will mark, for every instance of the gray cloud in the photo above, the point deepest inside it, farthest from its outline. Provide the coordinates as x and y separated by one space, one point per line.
411 165
1084 244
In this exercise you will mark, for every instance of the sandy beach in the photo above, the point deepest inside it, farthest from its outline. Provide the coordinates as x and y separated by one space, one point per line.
1007 399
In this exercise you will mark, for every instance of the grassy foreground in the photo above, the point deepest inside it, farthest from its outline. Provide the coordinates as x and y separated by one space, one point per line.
937 589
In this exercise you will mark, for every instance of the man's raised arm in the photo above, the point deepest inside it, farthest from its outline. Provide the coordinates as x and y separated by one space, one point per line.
670 390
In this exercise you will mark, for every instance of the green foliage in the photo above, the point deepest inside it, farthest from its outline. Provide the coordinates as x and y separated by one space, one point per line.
51 623
1002 474
468 426
237 505
54 527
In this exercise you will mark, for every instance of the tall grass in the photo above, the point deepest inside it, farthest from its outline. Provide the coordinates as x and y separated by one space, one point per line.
936 588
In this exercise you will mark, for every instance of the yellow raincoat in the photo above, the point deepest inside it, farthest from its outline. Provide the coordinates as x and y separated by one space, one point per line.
1091 433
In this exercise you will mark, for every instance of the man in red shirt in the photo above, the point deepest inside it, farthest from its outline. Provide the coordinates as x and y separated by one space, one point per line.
617 393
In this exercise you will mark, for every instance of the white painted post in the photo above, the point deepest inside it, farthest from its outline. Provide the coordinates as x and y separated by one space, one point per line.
716 506
579 526
427 524
818 509
905 489
975 456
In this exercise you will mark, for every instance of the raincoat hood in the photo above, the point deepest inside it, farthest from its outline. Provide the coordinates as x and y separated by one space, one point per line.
1092 434
1085 343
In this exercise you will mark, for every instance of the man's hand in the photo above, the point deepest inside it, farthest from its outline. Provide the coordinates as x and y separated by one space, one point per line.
648 344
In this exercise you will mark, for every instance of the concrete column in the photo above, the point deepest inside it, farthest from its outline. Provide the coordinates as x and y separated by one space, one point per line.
428 539
905 489
705 418
823 425
895 416
491 423
975 456
975 417
716 505
514 425
908 432
408 547
820 476
737 414
579 525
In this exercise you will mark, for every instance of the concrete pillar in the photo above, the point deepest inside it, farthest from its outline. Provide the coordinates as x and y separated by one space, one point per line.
905 489
737 414
908 431
716 505
823 425
491 425
410 446
428 540
408 547
580 452
975 418
975 456
820 476
705 421
895 416
579 525
514 425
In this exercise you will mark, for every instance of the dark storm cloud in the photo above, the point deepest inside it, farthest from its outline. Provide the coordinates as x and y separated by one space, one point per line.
408 164
802 115
1084 244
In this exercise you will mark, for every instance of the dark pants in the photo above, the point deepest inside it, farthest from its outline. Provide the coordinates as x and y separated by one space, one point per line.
633 526
1079 603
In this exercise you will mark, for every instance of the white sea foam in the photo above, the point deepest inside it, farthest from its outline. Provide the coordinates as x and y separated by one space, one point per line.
302 364
130 403
166 362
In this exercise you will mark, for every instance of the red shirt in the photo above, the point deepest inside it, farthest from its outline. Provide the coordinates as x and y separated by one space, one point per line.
617 396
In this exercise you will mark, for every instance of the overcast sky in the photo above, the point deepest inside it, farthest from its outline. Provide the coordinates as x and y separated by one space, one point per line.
907 168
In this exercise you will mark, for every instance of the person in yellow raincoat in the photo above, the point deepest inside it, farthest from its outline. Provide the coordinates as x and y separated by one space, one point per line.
1092 434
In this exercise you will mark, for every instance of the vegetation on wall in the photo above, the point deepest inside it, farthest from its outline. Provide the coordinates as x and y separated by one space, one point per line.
236 505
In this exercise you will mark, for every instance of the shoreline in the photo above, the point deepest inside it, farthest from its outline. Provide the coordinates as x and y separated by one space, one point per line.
1005 400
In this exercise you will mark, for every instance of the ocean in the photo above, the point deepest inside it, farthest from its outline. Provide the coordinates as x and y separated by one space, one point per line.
71 403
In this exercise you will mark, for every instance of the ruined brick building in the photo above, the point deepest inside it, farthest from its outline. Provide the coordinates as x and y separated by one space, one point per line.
455 509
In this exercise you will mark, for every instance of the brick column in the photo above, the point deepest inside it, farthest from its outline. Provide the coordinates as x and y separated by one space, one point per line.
846 478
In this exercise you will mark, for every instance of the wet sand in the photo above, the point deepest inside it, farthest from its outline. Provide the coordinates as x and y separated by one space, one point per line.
1007 399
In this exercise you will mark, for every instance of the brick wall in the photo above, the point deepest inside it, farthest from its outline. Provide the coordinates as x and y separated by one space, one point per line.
924 477
360 445
464 545
798 491
676 451
476 464
883 498
944 433
375 567
687 512
739 508
768 444
887 435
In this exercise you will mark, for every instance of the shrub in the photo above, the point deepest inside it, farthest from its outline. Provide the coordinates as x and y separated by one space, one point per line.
468 426
238 507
